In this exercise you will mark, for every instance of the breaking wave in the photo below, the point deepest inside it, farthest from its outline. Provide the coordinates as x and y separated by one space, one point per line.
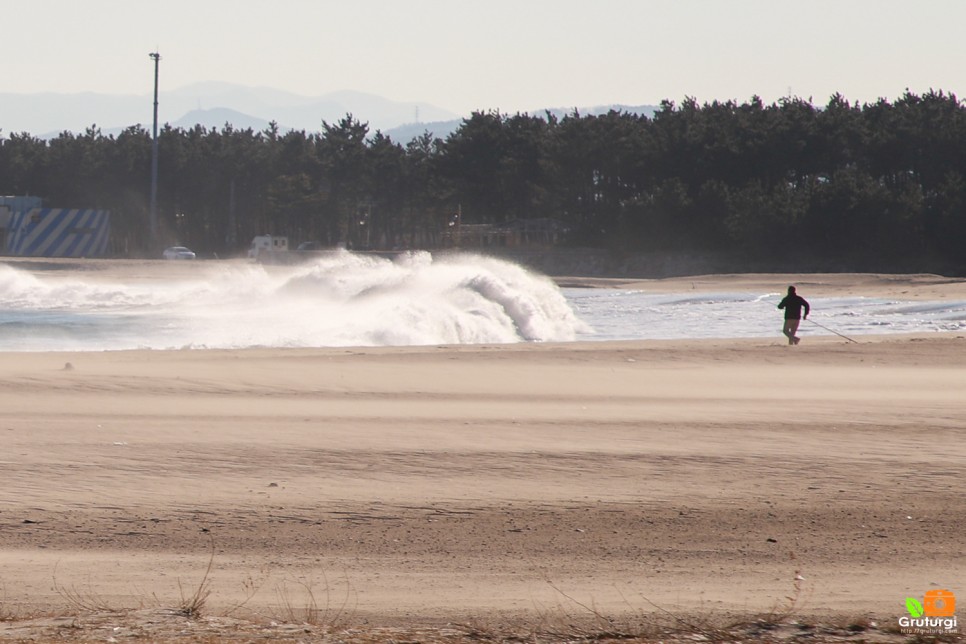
340 299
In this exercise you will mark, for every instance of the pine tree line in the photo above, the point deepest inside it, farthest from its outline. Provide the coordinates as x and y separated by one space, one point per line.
856 187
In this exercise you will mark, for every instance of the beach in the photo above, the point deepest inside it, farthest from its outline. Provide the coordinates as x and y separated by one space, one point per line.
502 488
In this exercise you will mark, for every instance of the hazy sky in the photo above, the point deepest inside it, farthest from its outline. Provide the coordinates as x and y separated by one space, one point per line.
513 55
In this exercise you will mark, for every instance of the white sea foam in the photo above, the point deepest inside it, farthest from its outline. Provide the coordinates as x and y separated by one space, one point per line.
343 299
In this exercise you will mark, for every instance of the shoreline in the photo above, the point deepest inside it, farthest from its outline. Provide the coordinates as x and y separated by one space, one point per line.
900 286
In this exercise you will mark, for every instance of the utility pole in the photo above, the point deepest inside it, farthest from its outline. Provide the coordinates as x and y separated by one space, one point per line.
154 159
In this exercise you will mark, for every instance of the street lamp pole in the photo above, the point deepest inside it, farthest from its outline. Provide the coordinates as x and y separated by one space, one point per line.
154 157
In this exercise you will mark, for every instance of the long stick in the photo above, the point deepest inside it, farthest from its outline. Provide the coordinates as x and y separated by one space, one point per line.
832 331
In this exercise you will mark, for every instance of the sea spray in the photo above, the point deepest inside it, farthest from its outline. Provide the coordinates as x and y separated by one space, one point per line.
337 299
418 299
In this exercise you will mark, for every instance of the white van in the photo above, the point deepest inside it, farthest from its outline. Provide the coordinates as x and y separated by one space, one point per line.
262 243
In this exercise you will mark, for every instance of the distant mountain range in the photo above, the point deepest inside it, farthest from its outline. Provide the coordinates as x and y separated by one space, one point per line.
213 105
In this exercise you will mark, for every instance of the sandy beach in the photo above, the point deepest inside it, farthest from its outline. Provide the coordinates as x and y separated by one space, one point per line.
503 488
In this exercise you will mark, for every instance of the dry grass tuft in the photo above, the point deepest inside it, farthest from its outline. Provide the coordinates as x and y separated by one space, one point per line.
193 605
81 600
298 602
7 612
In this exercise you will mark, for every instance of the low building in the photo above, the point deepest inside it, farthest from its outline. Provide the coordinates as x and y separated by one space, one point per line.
528 233
27 229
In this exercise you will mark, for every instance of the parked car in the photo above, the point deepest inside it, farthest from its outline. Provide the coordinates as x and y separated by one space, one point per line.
178 252
310 245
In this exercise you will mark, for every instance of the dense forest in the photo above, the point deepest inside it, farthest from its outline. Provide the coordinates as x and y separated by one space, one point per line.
843 186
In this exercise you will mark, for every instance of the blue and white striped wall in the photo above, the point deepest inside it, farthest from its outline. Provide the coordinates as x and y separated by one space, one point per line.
58 232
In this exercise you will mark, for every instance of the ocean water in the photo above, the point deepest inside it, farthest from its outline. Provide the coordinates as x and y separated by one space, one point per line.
346 299
634 315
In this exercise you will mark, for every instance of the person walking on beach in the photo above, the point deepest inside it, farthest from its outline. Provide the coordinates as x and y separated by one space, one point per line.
793 303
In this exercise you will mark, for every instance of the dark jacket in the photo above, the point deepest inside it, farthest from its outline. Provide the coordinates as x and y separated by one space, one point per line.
793 305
